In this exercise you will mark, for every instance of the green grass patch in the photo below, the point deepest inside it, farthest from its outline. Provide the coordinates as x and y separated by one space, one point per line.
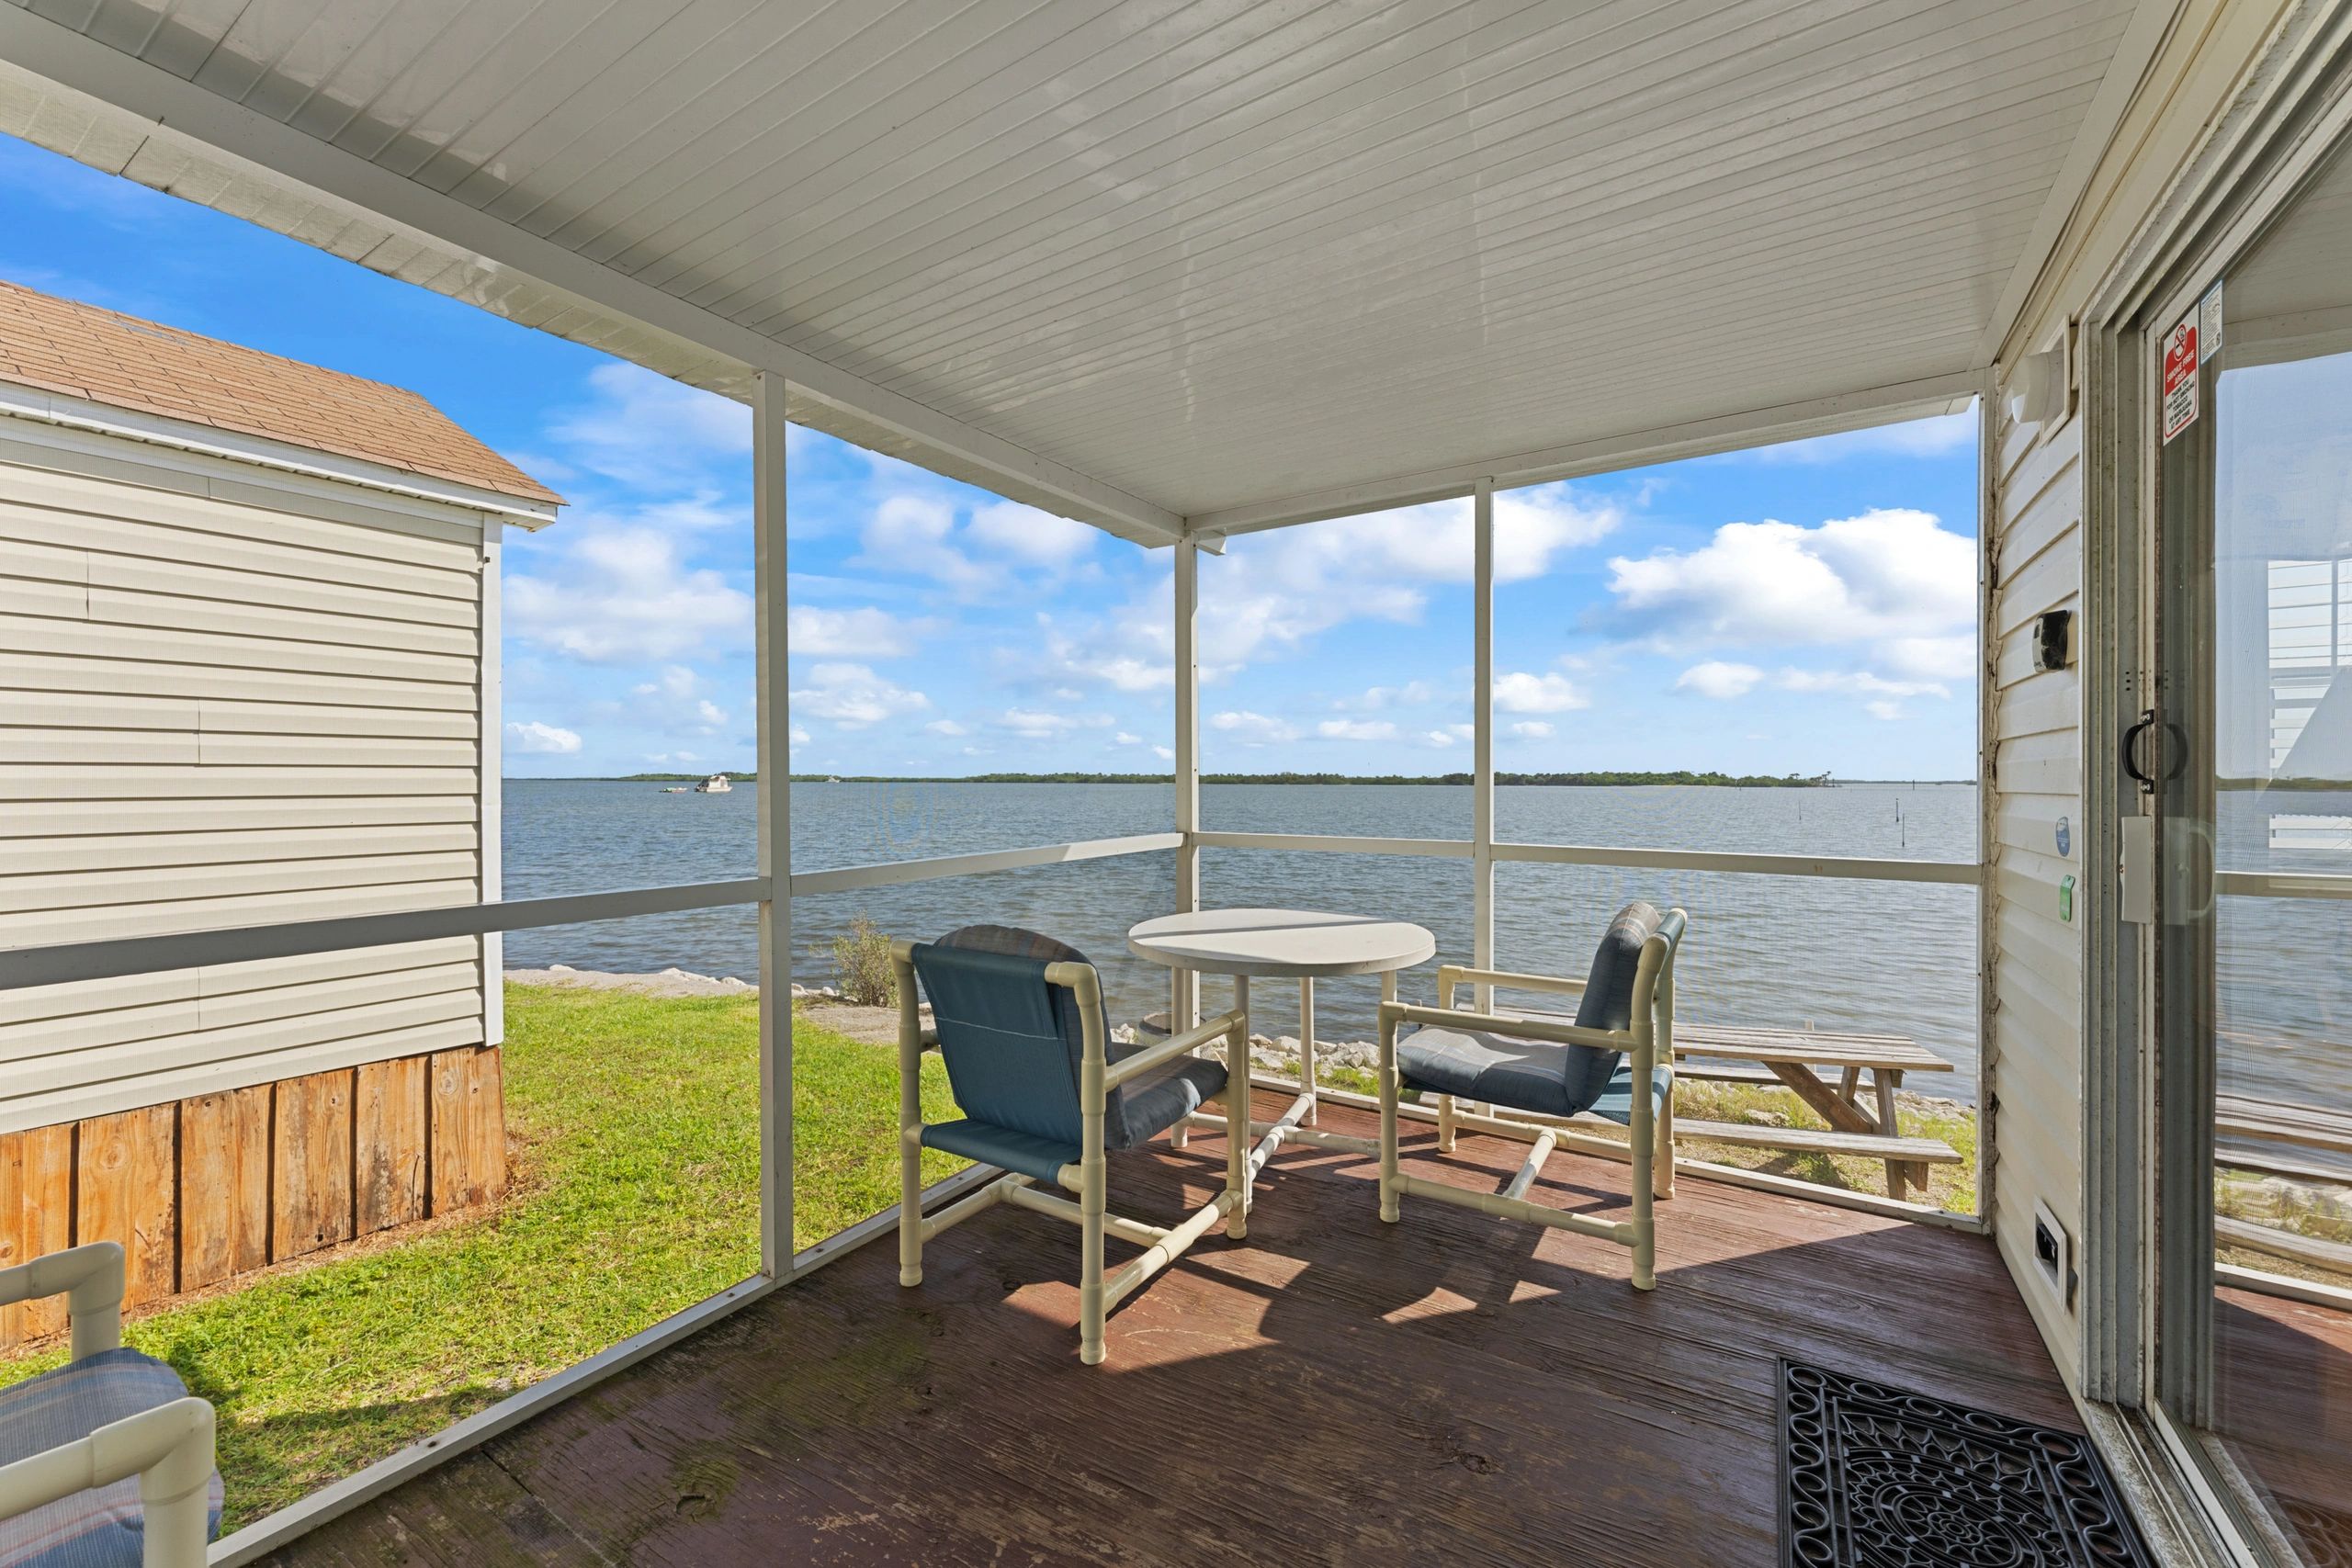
634 1126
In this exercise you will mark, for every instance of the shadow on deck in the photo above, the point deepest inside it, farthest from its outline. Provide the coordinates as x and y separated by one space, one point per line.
1451 1388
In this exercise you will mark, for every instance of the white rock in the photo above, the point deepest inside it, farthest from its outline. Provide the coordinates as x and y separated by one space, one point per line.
560 969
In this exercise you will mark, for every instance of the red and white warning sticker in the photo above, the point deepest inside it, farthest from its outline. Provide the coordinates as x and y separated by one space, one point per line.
2180 378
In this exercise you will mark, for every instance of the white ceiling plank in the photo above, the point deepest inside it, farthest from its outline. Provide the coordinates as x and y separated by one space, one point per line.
1698 438
1162 257
180 110
2144 35
1741 164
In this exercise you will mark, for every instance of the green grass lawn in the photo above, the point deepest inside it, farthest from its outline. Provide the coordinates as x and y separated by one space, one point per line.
635 1128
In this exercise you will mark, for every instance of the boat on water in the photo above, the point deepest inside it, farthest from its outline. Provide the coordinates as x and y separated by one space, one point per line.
715 784
673 789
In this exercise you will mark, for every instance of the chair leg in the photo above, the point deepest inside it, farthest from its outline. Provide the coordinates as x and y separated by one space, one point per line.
909 1144
1645 1154
1662 1163
1237 1133
1091 1203
1446 1123
1388 1092
910 1219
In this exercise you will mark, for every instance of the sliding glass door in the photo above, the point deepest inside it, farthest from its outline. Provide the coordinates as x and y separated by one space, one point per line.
2247 760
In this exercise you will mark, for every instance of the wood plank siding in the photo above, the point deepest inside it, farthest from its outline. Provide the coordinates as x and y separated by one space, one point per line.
220 1185
217 712
2033 1033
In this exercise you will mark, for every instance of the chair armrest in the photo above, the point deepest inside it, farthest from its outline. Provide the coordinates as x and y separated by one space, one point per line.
1168 1050
1457 974
90 1279
168 1447
1518 1026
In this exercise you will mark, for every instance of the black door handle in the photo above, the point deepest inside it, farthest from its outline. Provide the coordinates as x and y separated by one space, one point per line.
2131 751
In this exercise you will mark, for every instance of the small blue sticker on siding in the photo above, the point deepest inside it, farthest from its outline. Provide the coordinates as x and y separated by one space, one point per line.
2065 838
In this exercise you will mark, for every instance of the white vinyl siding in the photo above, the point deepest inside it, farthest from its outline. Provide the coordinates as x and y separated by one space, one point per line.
2034 1033
224 702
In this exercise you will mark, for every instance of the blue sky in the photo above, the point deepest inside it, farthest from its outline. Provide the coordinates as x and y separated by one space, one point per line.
1801 608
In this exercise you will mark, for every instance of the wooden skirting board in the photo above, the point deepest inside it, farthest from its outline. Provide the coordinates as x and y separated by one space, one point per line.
202 1190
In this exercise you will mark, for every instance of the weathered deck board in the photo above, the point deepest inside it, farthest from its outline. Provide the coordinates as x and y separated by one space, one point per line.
1451 1388
2282 1378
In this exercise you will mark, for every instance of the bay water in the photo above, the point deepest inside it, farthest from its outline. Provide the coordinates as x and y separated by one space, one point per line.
1892 957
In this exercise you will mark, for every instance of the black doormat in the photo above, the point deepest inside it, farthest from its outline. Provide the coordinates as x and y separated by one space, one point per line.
1874 1477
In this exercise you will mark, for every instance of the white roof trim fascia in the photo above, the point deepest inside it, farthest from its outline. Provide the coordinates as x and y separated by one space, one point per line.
1699 438
103 419
195 118
2152 22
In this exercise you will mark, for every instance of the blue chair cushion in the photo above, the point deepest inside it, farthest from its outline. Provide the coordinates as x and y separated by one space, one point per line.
1014 1045
1526 1075
1471 1064
1617 1104
990 1144
1537 1076
100 1527
1147 1105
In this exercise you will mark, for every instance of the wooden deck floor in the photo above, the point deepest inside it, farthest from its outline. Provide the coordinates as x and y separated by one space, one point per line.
2282 1376
1449 1390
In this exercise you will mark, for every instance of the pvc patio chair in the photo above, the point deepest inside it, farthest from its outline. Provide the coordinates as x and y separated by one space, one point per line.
104 1461
1046 1094
1551 1066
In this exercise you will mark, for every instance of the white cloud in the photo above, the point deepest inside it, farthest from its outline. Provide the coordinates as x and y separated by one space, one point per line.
1253 729
1932 658
1883 708
799 736
675 681
1163 753
1124 738
1356 730
1520 691
1276 591
620 594
946 726
1531 729
1033 724
1857 680
709 713
852 697
1378 698
1719 679
1040 538
649 431
864 632
1437 738
530 734
1886 576
914 532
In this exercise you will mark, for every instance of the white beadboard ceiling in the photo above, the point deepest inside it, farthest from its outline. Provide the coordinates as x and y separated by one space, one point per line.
1145 261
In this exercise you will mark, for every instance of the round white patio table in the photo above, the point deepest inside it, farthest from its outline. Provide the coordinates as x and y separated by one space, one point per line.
1301 944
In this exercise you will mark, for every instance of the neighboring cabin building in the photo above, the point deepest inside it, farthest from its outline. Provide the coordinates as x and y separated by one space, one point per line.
248 672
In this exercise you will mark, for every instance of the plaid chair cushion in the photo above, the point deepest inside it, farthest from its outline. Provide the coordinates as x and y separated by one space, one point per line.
101 1527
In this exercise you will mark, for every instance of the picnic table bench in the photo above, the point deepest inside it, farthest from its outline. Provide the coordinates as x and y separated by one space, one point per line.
1790 1057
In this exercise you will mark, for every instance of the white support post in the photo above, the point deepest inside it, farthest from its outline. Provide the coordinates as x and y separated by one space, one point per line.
1236 1111
1482 744
489 832
774 764
1307 1045
1184 993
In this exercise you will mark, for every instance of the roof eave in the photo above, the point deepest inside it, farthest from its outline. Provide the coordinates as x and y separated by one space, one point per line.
34 403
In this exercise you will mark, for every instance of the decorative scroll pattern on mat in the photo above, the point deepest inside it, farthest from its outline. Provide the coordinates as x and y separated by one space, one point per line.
1874 1477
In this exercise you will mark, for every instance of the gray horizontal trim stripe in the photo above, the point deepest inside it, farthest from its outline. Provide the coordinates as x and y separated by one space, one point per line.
188 950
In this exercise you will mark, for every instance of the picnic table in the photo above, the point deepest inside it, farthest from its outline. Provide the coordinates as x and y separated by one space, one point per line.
1796 1058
